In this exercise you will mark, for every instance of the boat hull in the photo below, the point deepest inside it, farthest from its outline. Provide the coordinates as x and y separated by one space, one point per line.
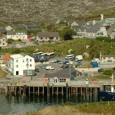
107 96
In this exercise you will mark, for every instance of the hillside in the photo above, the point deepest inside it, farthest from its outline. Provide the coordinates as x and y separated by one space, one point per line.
77 45
52 10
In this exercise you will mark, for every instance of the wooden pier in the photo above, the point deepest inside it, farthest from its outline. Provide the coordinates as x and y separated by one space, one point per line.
51 90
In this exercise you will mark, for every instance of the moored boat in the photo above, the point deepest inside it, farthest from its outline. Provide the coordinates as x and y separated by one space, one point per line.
108 92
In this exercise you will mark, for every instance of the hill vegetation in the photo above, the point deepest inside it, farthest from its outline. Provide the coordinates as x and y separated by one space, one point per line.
53 10
79 46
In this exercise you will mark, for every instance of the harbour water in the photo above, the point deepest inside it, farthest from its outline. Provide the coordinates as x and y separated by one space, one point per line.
21 104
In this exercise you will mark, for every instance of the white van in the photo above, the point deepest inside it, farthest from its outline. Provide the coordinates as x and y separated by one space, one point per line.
71 56
79 58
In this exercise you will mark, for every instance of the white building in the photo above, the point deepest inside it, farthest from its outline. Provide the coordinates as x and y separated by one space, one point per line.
16 35
20 65
3 42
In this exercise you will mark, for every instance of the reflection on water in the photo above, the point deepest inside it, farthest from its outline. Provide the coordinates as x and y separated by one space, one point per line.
21 104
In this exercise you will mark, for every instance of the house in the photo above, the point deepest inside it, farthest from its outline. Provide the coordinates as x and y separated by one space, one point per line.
20 65
8 28
2 30
48 36
96 30
3 41
107 58
60 76
16 35
74 24
111 31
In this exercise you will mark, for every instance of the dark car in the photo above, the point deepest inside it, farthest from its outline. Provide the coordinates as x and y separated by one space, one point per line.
37 70
64 66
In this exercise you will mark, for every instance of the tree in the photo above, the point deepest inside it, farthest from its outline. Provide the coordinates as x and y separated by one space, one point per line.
9 41
67 33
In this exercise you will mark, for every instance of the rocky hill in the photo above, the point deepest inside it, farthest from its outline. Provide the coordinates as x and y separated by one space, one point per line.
52 10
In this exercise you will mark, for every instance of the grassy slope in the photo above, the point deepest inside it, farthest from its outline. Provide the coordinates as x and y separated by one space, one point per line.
78 46
102 108
2 73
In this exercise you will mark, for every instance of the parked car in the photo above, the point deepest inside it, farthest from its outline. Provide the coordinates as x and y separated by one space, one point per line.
69 57
64 66
37 70
49 68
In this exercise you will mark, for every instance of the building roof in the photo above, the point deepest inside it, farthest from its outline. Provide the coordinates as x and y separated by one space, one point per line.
16 56
63 73
111 29
23 32
6 57
95 28
108 56
48 34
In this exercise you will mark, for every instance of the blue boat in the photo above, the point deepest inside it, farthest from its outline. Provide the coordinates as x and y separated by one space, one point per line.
108 92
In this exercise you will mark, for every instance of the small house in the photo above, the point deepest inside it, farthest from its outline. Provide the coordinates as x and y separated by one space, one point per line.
16 35
61 76
48 36
3 42
107 58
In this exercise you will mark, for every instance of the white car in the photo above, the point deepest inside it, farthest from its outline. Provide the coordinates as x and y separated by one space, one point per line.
49 68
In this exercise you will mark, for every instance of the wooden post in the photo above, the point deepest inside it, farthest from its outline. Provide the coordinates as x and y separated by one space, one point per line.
67 90
29 90
43 90
38 91
52 90
47 89
62 91
57 91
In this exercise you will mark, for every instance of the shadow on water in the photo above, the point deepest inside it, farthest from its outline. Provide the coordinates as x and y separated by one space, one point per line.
21 104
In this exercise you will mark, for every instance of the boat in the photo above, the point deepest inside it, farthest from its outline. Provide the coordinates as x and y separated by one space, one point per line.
108 91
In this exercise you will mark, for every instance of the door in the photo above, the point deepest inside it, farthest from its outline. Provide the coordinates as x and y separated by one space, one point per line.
55 80
17 72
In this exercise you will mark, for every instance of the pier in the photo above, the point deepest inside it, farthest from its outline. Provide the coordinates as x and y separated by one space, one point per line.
54 89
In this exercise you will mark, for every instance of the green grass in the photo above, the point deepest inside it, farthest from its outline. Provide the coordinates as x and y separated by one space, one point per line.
61 48
2 73
97 108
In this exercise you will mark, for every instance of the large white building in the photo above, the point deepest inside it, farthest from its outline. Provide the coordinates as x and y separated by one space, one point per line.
20 65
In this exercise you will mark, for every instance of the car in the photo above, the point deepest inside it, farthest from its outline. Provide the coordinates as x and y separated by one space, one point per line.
114 68
53 61
64 66
43 67
66 62
49 68
37 70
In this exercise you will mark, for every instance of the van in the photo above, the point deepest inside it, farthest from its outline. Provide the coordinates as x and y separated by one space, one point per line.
69 57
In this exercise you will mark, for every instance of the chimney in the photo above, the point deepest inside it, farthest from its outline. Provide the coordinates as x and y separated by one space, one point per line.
102 17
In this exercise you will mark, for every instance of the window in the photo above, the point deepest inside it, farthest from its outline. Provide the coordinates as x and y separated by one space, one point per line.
16 60
27 65
30 65
27 59
23 60
30 59
62 80
17 66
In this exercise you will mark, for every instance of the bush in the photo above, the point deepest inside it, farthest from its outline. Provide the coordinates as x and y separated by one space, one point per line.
9 41
108 72
105 39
